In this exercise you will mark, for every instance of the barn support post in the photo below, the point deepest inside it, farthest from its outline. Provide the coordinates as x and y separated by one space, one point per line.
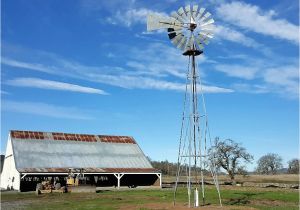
160 181
119 176
23 176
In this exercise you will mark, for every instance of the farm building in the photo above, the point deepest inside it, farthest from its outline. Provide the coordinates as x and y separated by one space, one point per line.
102 160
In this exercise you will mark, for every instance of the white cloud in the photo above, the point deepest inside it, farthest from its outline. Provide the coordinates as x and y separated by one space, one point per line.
25 65
253 18
232 35
44 109
131 16
4 92
285 79
125 80
239 71
53 85
150 68
150 83
251 88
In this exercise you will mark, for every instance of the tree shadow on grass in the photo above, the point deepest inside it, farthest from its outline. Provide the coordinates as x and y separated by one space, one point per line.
242 200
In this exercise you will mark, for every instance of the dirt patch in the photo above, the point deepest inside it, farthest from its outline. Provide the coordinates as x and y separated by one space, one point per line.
269 203
258 189
168 206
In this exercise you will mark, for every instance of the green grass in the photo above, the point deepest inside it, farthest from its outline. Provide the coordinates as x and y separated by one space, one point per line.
109 200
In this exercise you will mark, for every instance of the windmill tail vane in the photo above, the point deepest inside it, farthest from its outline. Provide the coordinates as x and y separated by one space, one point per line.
189 29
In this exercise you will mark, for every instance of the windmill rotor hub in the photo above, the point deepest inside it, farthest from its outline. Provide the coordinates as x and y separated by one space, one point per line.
193 26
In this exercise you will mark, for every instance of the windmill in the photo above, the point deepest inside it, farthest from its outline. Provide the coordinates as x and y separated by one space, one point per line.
189 29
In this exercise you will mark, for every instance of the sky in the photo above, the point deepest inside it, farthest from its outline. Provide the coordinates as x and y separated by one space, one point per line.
91 67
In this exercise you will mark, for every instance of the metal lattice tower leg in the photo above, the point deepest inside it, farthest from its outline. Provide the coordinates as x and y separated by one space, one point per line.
192 154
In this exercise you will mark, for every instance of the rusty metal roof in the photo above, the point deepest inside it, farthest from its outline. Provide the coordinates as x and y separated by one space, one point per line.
56 152
70 137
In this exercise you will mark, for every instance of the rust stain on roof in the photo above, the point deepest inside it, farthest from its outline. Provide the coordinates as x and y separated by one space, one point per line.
71 137
27 135
74 137
117 139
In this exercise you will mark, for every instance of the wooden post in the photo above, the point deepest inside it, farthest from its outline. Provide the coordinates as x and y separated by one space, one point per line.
119 176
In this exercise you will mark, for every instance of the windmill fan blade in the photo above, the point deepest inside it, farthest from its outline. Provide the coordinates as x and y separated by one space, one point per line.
177 28
201 11
172 33
203 39
182 14
187 10
200 45
190 43
182 43
206 34
177 38
209 27
194 11
210 21
155 22
205 16
177 17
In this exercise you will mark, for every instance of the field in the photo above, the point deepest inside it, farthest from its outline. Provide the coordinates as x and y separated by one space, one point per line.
278 178
233 198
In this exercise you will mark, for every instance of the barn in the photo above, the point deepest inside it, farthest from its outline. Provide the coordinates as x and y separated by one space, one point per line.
103 161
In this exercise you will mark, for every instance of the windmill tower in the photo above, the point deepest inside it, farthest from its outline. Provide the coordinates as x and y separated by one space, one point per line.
188 29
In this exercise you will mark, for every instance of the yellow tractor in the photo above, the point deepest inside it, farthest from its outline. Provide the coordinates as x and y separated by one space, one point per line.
73 179
48 187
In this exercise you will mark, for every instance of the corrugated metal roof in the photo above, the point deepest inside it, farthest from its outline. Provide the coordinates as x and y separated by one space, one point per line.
56 152
90 170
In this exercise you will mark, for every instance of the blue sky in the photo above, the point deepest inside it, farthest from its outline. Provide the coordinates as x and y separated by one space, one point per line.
90 66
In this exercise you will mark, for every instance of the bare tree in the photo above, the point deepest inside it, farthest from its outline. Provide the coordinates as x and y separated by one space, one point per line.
293 166
269 164
228 155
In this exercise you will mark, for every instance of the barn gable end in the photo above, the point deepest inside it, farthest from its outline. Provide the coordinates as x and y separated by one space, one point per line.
10 177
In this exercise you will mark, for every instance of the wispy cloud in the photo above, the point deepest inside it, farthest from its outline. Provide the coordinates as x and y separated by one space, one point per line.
4 92
89 6
260 78
26 65
255 19
150 83
53 85
143 70
239 71
47 110
232 35
131 16
285 79
251 88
